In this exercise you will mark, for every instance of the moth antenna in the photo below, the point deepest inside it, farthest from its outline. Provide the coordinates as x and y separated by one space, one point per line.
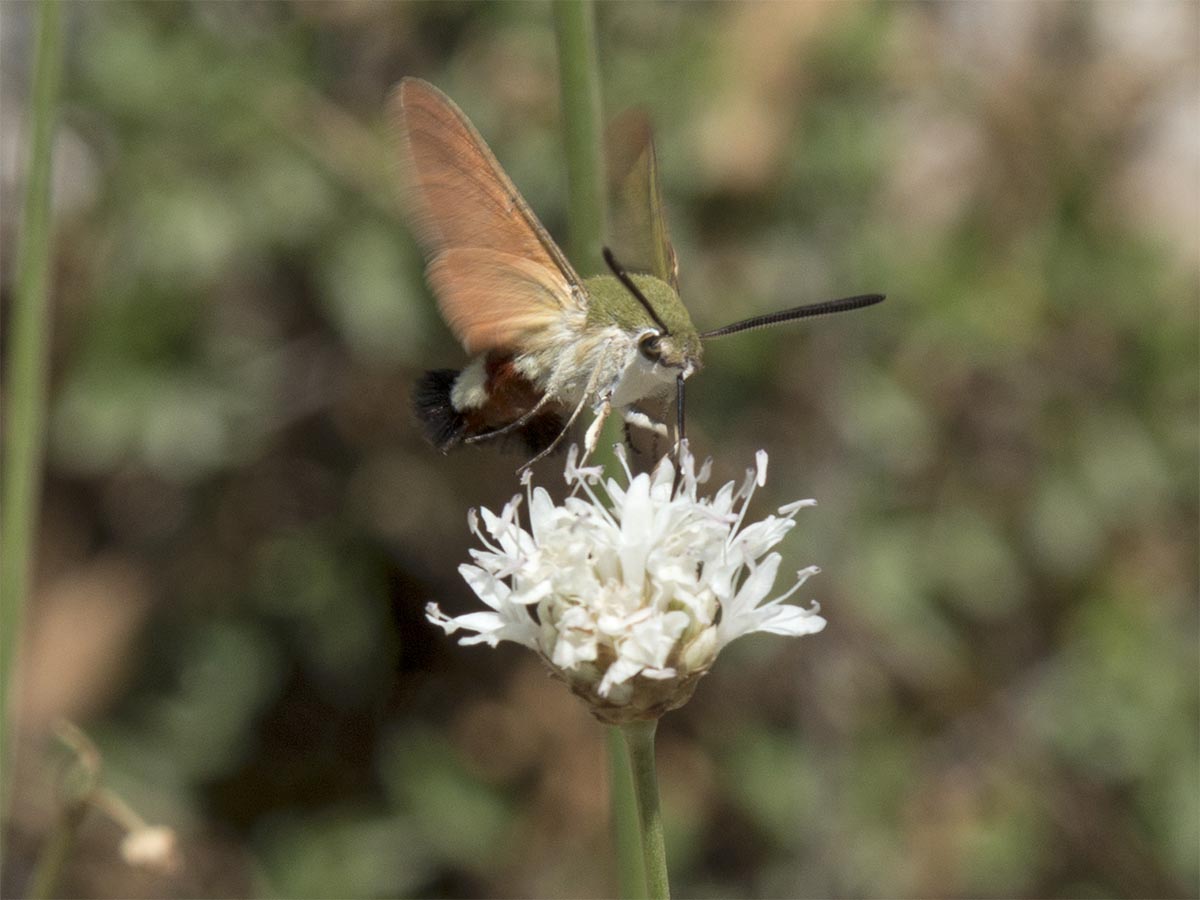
845 304
633 288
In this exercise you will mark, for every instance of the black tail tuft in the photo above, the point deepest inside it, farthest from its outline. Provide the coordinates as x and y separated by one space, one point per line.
444 425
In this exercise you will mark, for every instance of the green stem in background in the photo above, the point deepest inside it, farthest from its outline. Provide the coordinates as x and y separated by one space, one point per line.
579 82
25 380
639 741
579 78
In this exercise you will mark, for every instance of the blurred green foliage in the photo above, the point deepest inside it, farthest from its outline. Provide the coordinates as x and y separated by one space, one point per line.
1005 702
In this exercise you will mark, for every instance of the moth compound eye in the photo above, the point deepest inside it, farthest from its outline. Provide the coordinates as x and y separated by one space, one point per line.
651 346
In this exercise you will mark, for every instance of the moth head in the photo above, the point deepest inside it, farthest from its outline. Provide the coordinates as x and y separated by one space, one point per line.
665 334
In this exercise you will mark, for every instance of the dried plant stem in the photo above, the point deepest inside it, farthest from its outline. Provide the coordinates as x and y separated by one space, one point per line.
52 861
639 741
25 379
79 785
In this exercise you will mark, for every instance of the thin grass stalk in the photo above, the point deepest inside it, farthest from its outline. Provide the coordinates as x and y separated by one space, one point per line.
579 82
25 378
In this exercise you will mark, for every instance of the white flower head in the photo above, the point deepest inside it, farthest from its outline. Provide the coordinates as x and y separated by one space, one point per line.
629 592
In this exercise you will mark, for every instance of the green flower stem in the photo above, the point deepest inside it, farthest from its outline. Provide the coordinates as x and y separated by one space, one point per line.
579 82
579 79
639 741
626 831
28 337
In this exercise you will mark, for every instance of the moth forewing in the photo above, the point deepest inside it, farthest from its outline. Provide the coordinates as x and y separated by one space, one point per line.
492 299
546 344
508 293
458 196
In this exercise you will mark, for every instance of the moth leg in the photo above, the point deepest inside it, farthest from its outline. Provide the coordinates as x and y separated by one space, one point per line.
567 427
511 426
641 420
593 433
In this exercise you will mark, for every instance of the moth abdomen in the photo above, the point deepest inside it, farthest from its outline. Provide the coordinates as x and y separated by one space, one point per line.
487 397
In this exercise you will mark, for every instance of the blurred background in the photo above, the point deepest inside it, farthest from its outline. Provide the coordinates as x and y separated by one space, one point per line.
242 525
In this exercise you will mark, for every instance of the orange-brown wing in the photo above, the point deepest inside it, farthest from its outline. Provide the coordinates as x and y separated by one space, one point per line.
459 199
638 222
493 299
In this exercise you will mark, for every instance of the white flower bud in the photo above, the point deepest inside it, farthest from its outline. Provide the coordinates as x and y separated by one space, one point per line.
153 847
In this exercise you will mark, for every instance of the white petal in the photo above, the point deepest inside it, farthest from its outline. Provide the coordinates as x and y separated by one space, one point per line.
791 620
636 529
757 584
722 503
490 628
542 514
536 592
617 673
650 643
498 529
759 537
575 643
737 616
664 472
487 587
